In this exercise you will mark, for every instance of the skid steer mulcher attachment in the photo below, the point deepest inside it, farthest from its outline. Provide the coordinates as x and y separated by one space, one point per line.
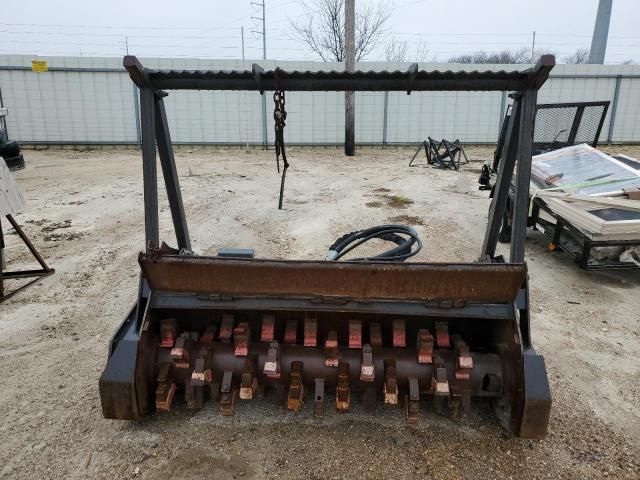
318 331
419 336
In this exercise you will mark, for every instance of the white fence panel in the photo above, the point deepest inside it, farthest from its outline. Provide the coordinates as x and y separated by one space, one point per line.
92 100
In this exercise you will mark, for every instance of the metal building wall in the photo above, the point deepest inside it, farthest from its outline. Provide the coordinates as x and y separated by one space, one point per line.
92 100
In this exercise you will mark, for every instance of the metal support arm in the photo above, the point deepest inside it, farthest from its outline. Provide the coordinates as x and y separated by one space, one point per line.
168 164
503 182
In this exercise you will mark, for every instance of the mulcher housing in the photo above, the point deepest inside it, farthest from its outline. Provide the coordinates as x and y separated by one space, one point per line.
233 327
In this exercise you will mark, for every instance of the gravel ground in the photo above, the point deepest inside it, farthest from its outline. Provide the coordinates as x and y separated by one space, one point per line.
85 216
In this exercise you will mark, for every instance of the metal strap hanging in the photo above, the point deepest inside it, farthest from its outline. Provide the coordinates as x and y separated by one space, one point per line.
279 117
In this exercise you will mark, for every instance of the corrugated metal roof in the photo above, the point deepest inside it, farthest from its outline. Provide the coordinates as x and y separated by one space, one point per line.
410 80
339 75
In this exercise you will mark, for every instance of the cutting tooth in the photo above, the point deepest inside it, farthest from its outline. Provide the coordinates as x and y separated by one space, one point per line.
296 389
399 334
310 332
375 335
241 338
227 395
180 351
464 361
209 334
331 352
355 333
390 387
439 385
272 364
226 328
198 375
193 394
268 328
343 392
291 331
168 332
412 401
442 334
249 380
425 346
166 389
367 372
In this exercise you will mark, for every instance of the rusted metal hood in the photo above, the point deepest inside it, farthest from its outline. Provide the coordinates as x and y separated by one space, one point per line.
466 282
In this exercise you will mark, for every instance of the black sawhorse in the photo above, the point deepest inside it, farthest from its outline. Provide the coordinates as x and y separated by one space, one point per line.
445 154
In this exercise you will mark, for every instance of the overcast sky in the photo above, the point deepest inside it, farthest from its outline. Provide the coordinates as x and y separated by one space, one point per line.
211 28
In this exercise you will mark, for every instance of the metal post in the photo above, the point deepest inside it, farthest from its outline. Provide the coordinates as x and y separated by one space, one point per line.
577 120
242 36
4 119
614 109
264 120
149 169
172 183
136 108
533 46
385 119
523 176
503 183
600 32
349 64
264 95
503 108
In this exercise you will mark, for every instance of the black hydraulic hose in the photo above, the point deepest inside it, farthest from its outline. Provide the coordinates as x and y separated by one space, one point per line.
403 236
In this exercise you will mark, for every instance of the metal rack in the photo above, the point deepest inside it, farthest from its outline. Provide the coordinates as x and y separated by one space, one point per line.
573 241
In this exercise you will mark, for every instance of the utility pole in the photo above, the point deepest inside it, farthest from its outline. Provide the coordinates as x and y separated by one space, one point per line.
600 32
264 57
349 66
533 47
126 43
242 36
264 31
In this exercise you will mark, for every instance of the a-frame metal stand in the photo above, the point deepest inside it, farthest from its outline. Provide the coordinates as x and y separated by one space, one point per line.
155 131
36 274
517 146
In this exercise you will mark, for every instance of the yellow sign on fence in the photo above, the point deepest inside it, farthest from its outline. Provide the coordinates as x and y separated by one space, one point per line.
39 66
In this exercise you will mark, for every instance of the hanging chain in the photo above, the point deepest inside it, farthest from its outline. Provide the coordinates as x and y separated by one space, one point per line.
279 117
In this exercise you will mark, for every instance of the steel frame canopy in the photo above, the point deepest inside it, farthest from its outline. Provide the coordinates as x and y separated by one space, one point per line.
518 143
461 289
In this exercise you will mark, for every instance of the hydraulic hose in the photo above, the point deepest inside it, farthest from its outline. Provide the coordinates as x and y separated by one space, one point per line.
406 239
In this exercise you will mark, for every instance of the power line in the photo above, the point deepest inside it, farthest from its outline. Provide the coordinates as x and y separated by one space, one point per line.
112 27
117 35
264 27
122 38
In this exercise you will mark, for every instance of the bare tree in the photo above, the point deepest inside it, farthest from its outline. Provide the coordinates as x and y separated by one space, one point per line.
520 55
581 55
422 51
323 27
395 51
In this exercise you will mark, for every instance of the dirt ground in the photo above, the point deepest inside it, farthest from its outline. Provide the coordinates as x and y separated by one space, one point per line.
85 215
